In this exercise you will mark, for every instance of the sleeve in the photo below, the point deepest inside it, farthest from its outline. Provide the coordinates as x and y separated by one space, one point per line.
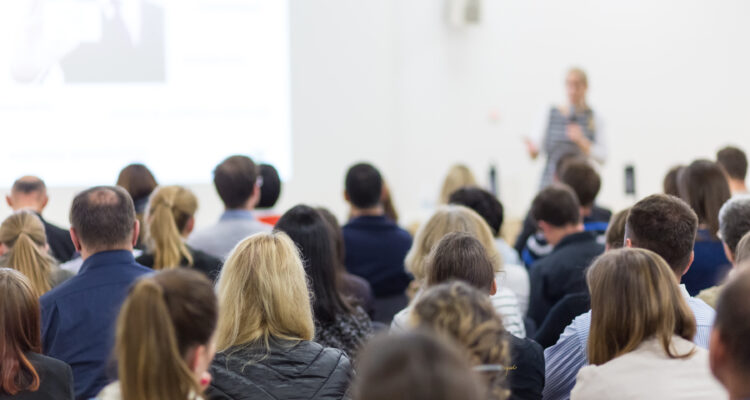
563 361
599 147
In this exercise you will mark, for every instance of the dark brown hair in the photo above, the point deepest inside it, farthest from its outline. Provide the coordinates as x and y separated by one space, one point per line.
103 216
581 176
615 235
734 162
557 205
235 180
29 184
20 327
484 203
460 256
669 184
703 185
138 180
733 320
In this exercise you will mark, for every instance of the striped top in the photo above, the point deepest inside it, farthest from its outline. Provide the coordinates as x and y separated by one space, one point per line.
568 356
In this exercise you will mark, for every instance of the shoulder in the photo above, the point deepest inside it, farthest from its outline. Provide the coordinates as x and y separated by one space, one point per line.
592 383
203 257
704 314
52 365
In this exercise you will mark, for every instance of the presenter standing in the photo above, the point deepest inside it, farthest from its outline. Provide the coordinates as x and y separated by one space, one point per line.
567 130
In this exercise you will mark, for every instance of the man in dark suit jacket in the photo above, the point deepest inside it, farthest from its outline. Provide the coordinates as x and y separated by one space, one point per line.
30 193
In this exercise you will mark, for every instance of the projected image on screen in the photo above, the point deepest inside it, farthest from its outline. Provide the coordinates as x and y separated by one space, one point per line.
89 86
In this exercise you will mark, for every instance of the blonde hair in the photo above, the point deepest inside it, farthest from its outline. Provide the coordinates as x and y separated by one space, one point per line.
581 75
458 176
263 293
635 296
169 210
23 234
447 219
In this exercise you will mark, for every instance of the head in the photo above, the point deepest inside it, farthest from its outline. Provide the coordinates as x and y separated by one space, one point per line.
337 237
703 185
263 294
742 252
166 323
271 188
734 222
24 244
459 256
312 234
557 212
466 315
236 181
615 235
635 297
581 176
139 182
20 324
670 180
729 347
414 366
363 187
734 162
103 218
449 219
28 193
665 225
458 176
576 85
484 203
170 218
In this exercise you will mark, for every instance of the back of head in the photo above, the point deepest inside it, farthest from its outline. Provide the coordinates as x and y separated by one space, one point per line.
311 233
615 235
702 184
164 317
235 180
634 297
557 205
665 225
742 252
414 366
458 176
103 218
170 209
364 186
669 184
734 220
138 180
263 293
460 256
581 176
23 234
483 202
271 188
21 333
734 162
733 323
447 219
28 192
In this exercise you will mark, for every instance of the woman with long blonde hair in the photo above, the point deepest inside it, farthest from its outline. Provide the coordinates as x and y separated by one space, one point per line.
458 176
23 247
640 342
170 217
266 328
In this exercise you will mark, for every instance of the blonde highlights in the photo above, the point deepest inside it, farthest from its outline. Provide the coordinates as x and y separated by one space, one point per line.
23 234
169 210
458 176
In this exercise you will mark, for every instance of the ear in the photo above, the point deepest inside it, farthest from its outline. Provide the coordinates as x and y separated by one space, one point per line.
628 243
189 226
493 288
690 263
136 232
3 249
346 197
9 201
45 200
255 197
728 253
75 240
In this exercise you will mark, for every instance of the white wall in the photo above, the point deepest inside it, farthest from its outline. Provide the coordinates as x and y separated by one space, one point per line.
388 81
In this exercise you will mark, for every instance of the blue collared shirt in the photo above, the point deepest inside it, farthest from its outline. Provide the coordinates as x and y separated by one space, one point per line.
565 358
219 239
78 317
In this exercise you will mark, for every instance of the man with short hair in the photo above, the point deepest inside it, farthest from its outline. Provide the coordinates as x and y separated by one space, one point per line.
729 354
558 214
665 225
734 162
375 245
78 317
236 181
30 193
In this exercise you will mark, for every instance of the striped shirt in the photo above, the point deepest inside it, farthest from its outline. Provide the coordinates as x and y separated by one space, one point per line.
568 356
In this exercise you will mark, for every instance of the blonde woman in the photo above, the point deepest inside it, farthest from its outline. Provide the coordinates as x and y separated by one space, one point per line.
454 218
164 342
266 328
458 176
640 344
170 217
23 247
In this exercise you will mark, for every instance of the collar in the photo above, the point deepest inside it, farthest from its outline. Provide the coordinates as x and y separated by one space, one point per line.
575 238
229 215
684 291
107 258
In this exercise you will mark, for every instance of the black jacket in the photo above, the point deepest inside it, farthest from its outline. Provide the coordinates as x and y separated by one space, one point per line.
560 316
304 370
526 371
60 245
55 380
203 262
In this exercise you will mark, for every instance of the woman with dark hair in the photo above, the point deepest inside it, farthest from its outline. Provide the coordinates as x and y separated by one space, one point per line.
270 191
703 185
339 324
139 182
669 184
24 372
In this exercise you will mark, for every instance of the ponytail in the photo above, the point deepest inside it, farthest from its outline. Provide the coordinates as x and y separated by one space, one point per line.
26 257
169 210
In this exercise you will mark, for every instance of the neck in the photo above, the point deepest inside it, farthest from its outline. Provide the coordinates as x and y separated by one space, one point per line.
86 253
31 207
367 212
586 211
737 186
556 236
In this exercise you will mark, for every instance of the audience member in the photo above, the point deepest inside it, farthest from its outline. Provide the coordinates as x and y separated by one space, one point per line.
30 193
558 214
26 373
415 366
164 343
139 182
703 185
338 323
375 245
450 219
236 180
270 191
169 220
615 234
458 176
516 277
23 247
389 206
466 315
730 354
352 287
665 225
646 351
669 184
78 317
266 328
734 162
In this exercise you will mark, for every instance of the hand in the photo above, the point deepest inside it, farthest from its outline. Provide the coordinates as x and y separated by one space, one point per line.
575 134
531 147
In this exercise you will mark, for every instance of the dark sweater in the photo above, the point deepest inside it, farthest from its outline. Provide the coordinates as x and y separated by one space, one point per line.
203 262
526 370
60 245
55 380
560 316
